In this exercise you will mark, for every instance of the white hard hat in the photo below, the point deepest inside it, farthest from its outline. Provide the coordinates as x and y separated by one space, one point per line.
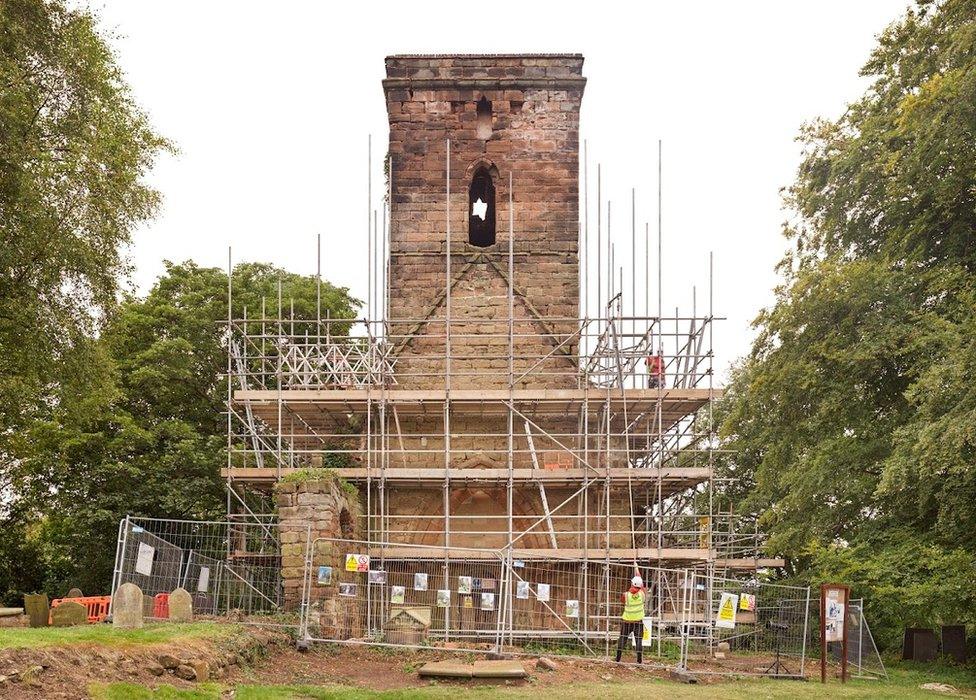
637 581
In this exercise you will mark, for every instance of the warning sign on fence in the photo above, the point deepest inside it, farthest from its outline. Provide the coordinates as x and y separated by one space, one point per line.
747 601
726 611
357 562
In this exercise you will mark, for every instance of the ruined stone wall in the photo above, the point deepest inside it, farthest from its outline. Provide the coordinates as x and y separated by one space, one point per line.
532 135
327 508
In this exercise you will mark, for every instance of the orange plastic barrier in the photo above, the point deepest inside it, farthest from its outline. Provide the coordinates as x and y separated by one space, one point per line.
161 606
97 606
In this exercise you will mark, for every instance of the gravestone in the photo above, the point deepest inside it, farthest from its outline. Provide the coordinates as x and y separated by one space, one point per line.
69 614
38 609
920 644
75 593
202 603
954 642
180 606
127 607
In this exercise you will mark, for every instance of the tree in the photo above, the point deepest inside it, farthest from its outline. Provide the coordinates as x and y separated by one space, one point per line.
853 419
151 440
74 150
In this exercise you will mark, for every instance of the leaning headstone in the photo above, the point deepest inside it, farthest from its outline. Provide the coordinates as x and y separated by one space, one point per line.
180 606
127 607
38 609
69 614
75 593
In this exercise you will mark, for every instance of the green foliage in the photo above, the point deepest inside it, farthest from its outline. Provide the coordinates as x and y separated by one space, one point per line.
109 636
150 438
304 476
853 420
74 151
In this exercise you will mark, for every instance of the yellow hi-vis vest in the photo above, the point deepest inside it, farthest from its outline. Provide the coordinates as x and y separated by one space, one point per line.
633 606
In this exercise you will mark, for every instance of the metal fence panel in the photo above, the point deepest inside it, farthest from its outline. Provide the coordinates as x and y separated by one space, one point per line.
765 626
356 593
225 566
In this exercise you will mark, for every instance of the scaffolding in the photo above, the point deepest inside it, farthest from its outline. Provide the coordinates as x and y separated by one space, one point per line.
588 438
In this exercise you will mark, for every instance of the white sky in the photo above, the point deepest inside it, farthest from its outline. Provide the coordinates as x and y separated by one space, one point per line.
271 104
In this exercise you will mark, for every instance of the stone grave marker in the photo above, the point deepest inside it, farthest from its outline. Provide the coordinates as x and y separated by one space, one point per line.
127 607
69 614
180 606
75 593
38 609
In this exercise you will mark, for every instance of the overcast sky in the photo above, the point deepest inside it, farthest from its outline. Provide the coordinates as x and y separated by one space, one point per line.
270 105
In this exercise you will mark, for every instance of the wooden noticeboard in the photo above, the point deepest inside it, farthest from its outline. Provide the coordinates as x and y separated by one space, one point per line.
834 610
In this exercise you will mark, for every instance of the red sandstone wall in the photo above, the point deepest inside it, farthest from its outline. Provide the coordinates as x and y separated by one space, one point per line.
535 139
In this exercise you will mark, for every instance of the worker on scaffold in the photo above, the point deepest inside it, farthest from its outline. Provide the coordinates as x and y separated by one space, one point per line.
655 370
632 618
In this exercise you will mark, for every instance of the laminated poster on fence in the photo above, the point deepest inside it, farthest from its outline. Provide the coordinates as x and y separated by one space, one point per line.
487 601
203 583
522 590
542 592
325 576
398 595
378 577
726 611
347 590
464 585
572 608
420 582
144 559
443 598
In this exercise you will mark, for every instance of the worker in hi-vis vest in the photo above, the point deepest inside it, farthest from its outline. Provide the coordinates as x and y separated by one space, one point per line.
632 618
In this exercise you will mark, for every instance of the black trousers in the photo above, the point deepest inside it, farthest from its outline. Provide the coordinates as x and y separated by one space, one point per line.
626 628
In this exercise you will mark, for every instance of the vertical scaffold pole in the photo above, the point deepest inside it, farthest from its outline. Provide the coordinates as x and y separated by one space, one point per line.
280 378
511 393
230 337
447 389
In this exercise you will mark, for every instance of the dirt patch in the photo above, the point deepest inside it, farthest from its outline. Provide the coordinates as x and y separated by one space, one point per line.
67 671
392 669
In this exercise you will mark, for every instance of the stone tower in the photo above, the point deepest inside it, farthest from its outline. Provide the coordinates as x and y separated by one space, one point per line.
508 118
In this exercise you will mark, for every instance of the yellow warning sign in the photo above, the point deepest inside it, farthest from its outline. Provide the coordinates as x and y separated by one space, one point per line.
726 611
357 562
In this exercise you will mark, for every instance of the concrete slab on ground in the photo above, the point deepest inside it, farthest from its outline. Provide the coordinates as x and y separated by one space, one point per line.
445 669
479 669
499 669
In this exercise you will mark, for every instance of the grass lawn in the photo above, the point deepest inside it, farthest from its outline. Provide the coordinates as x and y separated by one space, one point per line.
904 683
106 635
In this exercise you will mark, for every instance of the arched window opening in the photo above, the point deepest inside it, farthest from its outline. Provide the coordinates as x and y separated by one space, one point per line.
346 527
481 209
484 119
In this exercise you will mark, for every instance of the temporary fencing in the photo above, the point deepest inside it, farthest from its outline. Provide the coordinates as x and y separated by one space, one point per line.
483 600
863 658
764 626
352 591
225 566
